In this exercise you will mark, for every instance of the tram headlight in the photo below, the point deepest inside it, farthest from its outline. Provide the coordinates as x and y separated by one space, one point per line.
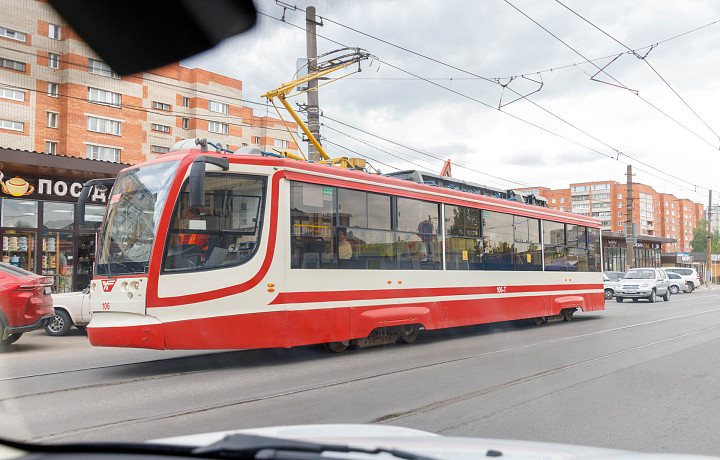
135 285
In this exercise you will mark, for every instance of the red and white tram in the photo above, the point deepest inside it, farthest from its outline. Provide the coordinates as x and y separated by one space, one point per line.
202 250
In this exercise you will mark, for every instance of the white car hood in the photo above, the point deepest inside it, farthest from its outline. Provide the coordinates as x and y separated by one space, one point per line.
418 442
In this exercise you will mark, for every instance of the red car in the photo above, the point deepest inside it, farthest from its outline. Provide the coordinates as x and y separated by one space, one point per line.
25 302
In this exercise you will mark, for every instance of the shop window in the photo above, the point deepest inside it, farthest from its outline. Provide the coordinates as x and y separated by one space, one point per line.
57 255
86 260
18 248
19 213
93 217
58 215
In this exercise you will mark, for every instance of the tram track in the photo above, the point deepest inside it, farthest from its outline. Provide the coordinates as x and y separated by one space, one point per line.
394 416
421 339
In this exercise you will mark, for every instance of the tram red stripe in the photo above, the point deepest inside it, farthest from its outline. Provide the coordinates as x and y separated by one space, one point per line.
288 328
346 296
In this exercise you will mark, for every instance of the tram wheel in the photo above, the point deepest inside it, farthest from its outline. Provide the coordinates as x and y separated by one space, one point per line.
336 347
568 315
409 333
537 321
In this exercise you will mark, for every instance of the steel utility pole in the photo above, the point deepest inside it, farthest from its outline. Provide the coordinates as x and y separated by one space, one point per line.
708 264
629 231
313 107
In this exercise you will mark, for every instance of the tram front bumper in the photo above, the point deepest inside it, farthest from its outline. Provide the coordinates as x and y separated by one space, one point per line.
120 329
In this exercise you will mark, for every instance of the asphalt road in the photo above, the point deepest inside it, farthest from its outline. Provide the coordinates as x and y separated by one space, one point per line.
636 376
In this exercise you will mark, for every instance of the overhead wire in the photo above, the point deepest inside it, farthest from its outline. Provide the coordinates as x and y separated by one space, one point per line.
602 69
645 60
614 156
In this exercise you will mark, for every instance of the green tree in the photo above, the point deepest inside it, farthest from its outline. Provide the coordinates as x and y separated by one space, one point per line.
699 241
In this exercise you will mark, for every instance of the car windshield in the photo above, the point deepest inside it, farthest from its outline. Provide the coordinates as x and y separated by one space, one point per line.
375 216
639 275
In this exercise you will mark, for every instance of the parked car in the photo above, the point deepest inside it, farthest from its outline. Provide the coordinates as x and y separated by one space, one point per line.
643 283
71 309
608 286
677 283
25 302
689 274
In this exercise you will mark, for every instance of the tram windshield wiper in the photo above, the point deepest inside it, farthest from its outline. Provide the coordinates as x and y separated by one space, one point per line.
267 448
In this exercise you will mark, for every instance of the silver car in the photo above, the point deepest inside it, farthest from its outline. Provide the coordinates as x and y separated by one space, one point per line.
643 283
689 274
678 283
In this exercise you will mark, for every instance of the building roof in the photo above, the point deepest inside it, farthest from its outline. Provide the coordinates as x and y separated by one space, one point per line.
64 166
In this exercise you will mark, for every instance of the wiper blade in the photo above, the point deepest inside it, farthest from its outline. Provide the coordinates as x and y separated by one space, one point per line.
267 448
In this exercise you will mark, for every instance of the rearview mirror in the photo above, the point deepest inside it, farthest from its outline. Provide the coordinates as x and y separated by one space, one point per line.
135 35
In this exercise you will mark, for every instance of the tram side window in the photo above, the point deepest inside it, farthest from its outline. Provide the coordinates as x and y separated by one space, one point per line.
463 242
312 237
528 253
417 236
557 255
594 251
499 241
225 231
570 247
364 233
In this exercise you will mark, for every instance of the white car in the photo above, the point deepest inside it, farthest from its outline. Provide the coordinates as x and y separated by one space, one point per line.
643 283
71 309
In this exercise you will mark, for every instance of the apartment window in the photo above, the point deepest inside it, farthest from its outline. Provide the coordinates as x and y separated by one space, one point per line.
100 96
619 213
52 89
103 125
186 123
52 120
619 196
161 106
14 65
161 128
12 34
256 140
562 200
100 68
619 204
215 127
12 125
12 94
281 143
54 31
99 152
159 149
51 147
600 186
186 101
218 107
580 188
53 61
554 200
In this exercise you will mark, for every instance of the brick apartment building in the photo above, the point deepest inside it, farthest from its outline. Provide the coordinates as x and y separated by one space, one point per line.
56 96
66 117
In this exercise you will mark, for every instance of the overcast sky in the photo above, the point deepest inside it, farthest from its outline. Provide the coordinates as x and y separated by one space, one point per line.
572 130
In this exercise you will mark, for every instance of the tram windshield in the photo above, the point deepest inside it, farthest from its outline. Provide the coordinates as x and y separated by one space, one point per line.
131 222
